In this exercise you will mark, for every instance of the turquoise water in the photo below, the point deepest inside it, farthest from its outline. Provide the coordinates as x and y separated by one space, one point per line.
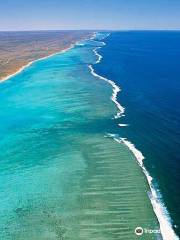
62 176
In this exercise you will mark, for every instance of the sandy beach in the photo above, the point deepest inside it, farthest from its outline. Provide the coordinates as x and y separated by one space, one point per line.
19 50
28 64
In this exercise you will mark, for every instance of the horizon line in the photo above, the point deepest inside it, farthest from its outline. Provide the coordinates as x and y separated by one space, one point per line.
112 30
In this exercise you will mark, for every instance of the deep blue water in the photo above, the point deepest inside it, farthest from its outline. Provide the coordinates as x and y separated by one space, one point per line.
146 65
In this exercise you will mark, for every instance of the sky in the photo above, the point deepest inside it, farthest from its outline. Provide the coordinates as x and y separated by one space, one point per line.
89 14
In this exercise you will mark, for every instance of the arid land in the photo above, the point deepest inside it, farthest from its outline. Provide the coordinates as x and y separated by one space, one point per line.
17 49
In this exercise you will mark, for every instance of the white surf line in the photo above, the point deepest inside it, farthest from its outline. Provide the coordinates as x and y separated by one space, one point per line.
98 55
123 124
116 89
160 210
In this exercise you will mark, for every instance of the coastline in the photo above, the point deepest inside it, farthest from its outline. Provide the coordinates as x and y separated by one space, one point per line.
31 62
158 206
22 68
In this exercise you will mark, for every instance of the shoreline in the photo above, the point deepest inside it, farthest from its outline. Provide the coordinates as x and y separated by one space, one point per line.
31 62
161 213
72 45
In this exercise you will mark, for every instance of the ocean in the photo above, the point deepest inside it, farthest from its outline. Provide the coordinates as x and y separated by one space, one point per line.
85 151
145 64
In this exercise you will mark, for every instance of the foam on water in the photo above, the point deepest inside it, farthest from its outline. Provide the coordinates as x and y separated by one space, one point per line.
159 208
116 89
123 124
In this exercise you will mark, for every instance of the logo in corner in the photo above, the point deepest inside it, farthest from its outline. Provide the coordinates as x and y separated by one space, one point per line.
139 231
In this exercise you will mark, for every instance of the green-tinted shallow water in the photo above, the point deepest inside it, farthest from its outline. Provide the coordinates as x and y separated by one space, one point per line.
61 176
